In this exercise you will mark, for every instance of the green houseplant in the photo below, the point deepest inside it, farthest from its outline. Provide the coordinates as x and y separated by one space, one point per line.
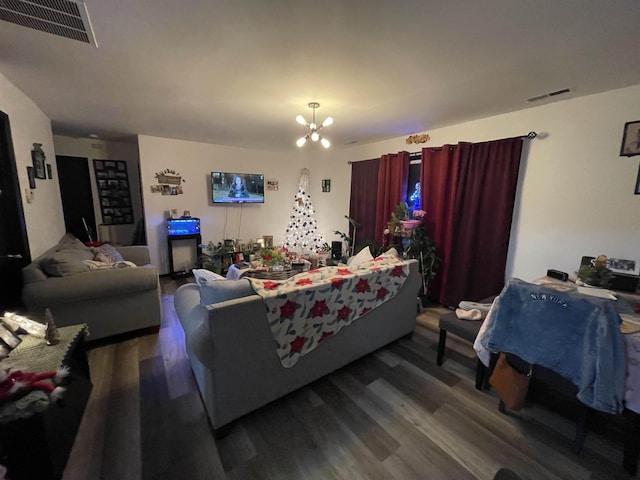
423 248
350 241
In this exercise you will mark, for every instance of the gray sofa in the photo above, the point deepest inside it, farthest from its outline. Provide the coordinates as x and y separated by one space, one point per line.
233 356
110 302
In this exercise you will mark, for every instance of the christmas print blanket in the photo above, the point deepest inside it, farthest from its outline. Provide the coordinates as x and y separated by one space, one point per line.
308 308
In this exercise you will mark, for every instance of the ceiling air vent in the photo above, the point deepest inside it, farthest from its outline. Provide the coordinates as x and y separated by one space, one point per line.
547 95
65 18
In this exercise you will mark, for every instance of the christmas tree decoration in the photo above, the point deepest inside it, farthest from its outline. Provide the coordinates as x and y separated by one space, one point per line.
52 335
302 230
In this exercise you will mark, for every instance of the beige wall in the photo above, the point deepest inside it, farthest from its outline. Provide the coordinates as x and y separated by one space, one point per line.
107 150
43 217
195 162
576 194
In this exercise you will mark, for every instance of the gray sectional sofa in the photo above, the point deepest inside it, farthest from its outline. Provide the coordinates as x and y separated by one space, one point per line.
233 355
110 301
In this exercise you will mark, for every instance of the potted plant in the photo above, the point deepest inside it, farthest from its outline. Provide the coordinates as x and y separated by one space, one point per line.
271 257
350 241
423 248
399 214
597 274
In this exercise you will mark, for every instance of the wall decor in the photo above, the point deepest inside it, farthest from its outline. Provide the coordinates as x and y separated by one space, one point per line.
49 171
272 185
421 138
169 183
32 178
38 157
637 190
326 185
630 139
113 188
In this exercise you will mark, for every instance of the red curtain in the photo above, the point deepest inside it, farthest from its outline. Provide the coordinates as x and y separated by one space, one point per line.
468 192
438 181
364 185
393 173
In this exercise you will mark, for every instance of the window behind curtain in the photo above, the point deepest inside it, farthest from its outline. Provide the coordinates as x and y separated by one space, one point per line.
414 178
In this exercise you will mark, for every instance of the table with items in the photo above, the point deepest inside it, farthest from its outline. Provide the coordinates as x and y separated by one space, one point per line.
39 420
614 386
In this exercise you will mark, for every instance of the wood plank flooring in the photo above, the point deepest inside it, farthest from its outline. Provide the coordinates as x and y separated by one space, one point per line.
390 415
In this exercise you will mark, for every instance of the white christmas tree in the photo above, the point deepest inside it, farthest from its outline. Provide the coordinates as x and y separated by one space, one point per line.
302 231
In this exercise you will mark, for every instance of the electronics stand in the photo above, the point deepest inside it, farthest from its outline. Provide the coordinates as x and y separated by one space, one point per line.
183 229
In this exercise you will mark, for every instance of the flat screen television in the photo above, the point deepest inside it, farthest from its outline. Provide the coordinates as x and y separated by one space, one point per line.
227 187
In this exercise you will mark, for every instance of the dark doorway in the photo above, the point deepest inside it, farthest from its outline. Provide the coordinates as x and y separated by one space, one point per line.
14 245
77 199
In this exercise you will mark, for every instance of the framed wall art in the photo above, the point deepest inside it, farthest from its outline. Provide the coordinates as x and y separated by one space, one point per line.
39 161
637 190
113 189
630 139
32 178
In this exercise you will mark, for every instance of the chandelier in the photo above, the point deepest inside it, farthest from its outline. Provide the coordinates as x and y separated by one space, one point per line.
314 128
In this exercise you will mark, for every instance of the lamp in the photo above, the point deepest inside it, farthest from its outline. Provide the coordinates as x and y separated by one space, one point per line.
313 128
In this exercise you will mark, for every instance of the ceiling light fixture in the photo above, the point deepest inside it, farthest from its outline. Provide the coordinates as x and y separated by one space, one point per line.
313 128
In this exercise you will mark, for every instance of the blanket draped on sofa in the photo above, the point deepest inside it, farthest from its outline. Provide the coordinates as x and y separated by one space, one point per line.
308 308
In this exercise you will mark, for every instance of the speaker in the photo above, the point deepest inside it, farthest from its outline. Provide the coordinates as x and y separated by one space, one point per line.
336 250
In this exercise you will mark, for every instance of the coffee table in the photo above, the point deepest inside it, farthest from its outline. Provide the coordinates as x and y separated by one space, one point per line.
36 435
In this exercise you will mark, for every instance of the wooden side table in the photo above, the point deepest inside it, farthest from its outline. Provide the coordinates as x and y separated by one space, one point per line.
35 443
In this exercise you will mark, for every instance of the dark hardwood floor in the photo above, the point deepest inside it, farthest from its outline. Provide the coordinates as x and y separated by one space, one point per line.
391 415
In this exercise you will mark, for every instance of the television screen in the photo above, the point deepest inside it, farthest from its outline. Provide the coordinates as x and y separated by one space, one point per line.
237 187
183 226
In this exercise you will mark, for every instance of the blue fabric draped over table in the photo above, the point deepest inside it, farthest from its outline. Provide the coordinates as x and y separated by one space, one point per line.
575 335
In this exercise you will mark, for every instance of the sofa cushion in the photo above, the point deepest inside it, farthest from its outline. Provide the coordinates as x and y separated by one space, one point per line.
67 262
220 290
363 255
108 251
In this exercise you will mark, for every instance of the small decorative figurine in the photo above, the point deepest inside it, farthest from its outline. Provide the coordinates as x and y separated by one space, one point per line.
52 335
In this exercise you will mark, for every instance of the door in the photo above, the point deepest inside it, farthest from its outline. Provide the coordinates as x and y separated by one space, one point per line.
77 199
14 245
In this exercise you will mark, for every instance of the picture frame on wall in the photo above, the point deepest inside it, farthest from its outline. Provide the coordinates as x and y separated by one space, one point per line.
39 160
630 139
637 190
32 178
112 181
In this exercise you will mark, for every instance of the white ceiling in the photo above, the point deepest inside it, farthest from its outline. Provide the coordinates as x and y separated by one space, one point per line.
238 72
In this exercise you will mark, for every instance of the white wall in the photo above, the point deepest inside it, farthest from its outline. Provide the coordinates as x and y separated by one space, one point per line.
107 150
195 162
43 217
576 194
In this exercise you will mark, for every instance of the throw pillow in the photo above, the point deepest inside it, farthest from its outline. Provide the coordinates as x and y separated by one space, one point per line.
392 252
101 257
363 256
109 251
71 244
67 238
219 291
67 262
202 275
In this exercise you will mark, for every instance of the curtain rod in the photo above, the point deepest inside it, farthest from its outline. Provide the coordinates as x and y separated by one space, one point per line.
416 155
530 135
